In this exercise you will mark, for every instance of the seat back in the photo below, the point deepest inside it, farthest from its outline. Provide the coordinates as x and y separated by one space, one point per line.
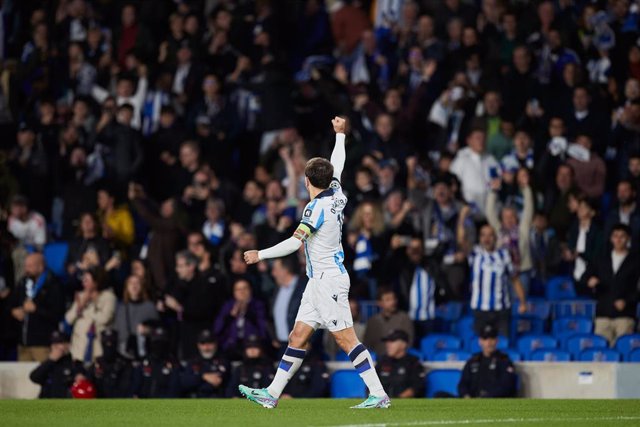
532 342
550 355
514 355
536 307
560 288
575 344
600 355
525 324
442 380
346 383
570 308
464 327
451 356
433 343
634 356
627 343
55 256
566 326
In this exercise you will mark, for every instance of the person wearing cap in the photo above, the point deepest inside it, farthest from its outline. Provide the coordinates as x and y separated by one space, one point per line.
256 370
402 374
207 374
111 373
158 374
58 372
489 373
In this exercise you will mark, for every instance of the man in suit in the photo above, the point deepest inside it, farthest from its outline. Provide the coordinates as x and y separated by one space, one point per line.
287 297
613 281
626 212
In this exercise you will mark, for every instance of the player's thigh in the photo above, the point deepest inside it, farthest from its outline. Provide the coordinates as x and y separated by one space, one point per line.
307 312
332 302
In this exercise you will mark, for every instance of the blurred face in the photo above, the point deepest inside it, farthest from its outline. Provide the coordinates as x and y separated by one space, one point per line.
33 265
19 210
105 201
207 349
368 41
580 99
280 274
394 203
134 288
184 269
442 193
425 26
521 59
237 264
584 141
564 178
195 244
619 240
87 225
488 345
469 37
124 88
392 101
545 13
253 352
128 16
625 193
26 138
634 166
509 24
138 269
388 303
184 55
585 211
191 25
540 222
88 283
492 103
396 349
487 238
368 216
476 141
454 30
210 85
167 209
509 218
632 89
556 127
363 180
415 251
384 126
522 142
242 291
63 347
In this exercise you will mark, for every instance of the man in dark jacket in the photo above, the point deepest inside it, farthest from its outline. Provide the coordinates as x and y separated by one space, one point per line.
111 373
57 373
613 280
489 373
287 297
207 374
401 374
158 374
256 370
37 303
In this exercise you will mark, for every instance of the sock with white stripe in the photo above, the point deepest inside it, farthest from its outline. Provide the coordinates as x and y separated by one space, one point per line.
291 361
361 359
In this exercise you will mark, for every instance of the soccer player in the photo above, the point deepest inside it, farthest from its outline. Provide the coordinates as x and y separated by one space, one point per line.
325 302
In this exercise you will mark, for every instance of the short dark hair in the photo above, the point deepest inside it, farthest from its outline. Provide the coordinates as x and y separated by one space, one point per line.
384 290
621 227
291 264
188 257
319 171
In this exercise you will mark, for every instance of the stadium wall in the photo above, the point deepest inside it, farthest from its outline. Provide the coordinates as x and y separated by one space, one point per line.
542 380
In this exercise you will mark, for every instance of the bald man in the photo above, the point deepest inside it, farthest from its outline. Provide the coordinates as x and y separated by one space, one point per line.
37 303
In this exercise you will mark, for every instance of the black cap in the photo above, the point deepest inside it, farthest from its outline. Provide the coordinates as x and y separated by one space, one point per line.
206 337
489 331
397 334
58 337
109 336
252 341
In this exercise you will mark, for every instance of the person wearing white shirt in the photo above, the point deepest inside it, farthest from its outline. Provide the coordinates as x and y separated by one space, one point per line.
124 94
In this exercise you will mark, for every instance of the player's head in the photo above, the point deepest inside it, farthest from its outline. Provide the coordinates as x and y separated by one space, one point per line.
318 173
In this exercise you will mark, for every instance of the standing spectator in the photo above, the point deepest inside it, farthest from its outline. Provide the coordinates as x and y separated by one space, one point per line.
286 301
589 168
585 241
626 212
29 228
58 371
116 221
91 312
37 303
239 318
401 374
613 281
133 318
367 242
88 239
389 319
489 373
556 201
206 375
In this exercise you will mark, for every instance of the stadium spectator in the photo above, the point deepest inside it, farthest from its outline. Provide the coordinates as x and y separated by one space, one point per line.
585 241
88 239
311 380
135 314
613 281
287 297
401 374
256 368
158 375
29 228
58 371
111 373
626 212
92 312
389 319
207 374
589 168
489 373
37 304
116 221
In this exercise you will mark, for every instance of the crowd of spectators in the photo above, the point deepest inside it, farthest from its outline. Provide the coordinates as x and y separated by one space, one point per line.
492 145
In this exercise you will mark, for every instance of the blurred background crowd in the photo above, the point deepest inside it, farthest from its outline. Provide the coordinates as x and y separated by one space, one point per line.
145 145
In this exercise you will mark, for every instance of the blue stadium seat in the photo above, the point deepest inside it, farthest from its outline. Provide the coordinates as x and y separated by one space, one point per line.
55 255
550 355
560 288
464 327
473 346
445 380
567 326
341 356
446 315
433 343
627 343
634 356
451 356
532 342
536 307
525 324
346 383
579 307
513 354
575 344
600 355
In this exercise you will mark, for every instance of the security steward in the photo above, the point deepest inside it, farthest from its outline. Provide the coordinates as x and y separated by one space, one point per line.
489 373
401 374
158 374
311 380
111 373
57 374
207 374
256 369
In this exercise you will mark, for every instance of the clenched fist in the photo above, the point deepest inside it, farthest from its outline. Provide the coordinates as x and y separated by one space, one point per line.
251 257
339 124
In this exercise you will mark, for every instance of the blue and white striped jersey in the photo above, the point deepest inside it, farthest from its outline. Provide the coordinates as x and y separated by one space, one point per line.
422 297
491 274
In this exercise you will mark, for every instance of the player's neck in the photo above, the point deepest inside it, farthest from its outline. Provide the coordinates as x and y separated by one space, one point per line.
313 192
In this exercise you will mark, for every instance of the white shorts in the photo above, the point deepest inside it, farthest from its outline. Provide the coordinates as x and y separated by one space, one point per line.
325 303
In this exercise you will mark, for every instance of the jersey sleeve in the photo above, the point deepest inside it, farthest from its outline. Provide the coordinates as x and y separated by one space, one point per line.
312 220
336 185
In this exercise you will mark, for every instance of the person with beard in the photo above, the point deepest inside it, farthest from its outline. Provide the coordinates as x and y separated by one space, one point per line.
37 303
57 373
191 297
111 373
158 374
206 375
256 370
627 212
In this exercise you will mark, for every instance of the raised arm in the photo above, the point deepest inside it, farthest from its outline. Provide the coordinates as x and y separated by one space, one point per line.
339 155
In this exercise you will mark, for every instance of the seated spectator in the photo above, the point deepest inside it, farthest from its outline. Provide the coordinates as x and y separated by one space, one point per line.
389 319
29 228
37 304
585 241
240 317
256 369
92 311
401 374
57 373
88 239
613 281
206 375
489 373
134 315
116 221
158 375
111 373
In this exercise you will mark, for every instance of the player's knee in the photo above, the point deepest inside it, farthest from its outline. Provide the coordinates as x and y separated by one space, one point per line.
297 339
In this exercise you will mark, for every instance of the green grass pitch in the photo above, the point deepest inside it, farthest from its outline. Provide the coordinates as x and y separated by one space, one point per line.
319 412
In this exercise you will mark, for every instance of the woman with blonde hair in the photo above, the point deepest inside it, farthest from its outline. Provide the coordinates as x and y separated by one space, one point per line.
366 240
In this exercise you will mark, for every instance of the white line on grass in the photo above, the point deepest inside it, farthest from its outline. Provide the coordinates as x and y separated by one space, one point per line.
489 421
